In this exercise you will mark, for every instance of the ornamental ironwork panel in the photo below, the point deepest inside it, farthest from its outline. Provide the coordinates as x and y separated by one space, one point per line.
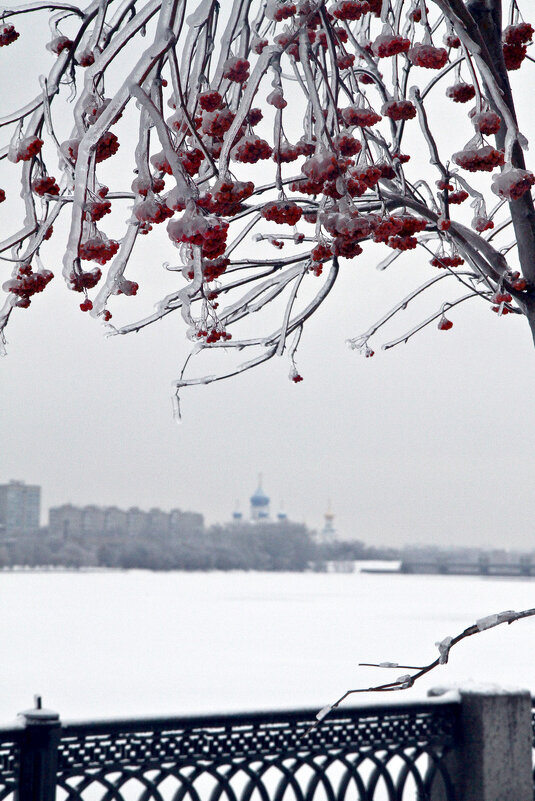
9 763
374 754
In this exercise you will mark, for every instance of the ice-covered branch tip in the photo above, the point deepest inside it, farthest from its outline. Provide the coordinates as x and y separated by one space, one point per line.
407 680
276 141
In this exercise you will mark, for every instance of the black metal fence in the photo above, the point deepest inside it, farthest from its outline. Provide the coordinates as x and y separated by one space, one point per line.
382 753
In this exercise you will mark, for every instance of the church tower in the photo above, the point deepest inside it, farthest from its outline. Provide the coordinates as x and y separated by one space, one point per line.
328 532
259 503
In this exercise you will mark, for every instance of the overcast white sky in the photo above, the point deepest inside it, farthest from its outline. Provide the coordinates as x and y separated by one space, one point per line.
431 442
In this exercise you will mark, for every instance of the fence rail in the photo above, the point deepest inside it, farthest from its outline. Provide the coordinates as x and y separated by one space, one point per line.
394 752
423 751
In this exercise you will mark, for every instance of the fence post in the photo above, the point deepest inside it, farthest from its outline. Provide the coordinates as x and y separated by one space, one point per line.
39 755
493 759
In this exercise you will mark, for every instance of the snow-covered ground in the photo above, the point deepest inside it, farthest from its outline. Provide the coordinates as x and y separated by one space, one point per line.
140 643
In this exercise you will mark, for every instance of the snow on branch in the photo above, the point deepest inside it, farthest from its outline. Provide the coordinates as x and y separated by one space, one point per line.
255 149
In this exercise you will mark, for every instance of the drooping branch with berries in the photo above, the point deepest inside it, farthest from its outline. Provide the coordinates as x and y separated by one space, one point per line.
279 142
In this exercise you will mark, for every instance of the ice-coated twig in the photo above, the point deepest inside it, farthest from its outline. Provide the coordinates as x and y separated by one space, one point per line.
408 680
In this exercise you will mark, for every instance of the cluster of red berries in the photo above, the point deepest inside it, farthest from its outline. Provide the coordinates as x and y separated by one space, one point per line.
512 183
209 232
236 69
402 242
516 281
107 146
386 170
339 34
416 14
350 10
345 61
456 198
96 209
487 122
86 59
514 55
69 148
210 100
362 178
483 159
322 167
520 33
286 153
81 281
259 45
481 224
282 212
347 224
296 378
461 92
278 10
389 44
2 195
8 35
191 160
227 197
276 99
160 164
348 231
217 123
152 210
346 246
127 287
432 58
399 110
289 44
450 40
446 261
444 324
251 149
142 186
26 149
363 117
397 231
59 44
99 249
321 253
501 297
346 144
213 269
45 186
27 283
213 335
514 47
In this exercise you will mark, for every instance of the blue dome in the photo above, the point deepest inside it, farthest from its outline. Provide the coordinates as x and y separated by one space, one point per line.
259 499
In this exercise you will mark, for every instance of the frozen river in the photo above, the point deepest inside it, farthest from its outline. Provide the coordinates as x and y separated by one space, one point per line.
140 643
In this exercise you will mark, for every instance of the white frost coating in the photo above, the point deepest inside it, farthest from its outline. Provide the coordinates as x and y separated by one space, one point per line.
444 650
388 664
324 712
490 621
